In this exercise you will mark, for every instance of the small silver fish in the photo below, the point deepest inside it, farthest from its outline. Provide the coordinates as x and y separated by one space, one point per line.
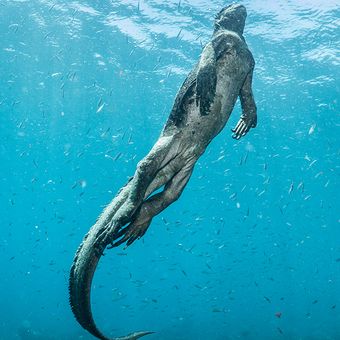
312 129
100 108
291 188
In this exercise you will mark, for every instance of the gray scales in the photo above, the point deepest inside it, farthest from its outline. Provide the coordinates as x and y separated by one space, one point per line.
201 109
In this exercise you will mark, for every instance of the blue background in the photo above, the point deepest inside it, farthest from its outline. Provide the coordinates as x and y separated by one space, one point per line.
85 88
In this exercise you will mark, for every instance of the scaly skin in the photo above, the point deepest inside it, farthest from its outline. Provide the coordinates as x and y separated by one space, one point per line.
84 266
82 271
202 108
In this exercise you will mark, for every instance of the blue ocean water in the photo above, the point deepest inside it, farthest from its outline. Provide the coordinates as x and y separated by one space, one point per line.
251 250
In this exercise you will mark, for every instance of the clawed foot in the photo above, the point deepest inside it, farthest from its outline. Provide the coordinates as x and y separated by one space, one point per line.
244 125
123 229
104 237
129 234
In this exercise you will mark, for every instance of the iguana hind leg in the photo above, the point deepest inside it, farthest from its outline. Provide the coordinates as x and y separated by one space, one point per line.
152 172
153 206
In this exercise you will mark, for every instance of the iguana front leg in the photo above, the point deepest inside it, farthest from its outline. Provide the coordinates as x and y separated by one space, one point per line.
248 118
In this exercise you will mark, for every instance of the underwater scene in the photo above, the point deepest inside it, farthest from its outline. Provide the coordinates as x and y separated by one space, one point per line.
246 241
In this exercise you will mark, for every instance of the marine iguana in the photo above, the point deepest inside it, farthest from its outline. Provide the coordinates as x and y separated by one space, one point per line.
201 109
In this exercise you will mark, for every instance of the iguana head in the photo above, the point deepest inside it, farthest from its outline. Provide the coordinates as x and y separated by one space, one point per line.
231 18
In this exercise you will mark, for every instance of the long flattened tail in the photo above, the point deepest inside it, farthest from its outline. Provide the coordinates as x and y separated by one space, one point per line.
84 265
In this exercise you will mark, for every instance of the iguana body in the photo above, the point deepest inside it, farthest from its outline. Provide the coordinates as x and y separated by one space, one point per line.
201 109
